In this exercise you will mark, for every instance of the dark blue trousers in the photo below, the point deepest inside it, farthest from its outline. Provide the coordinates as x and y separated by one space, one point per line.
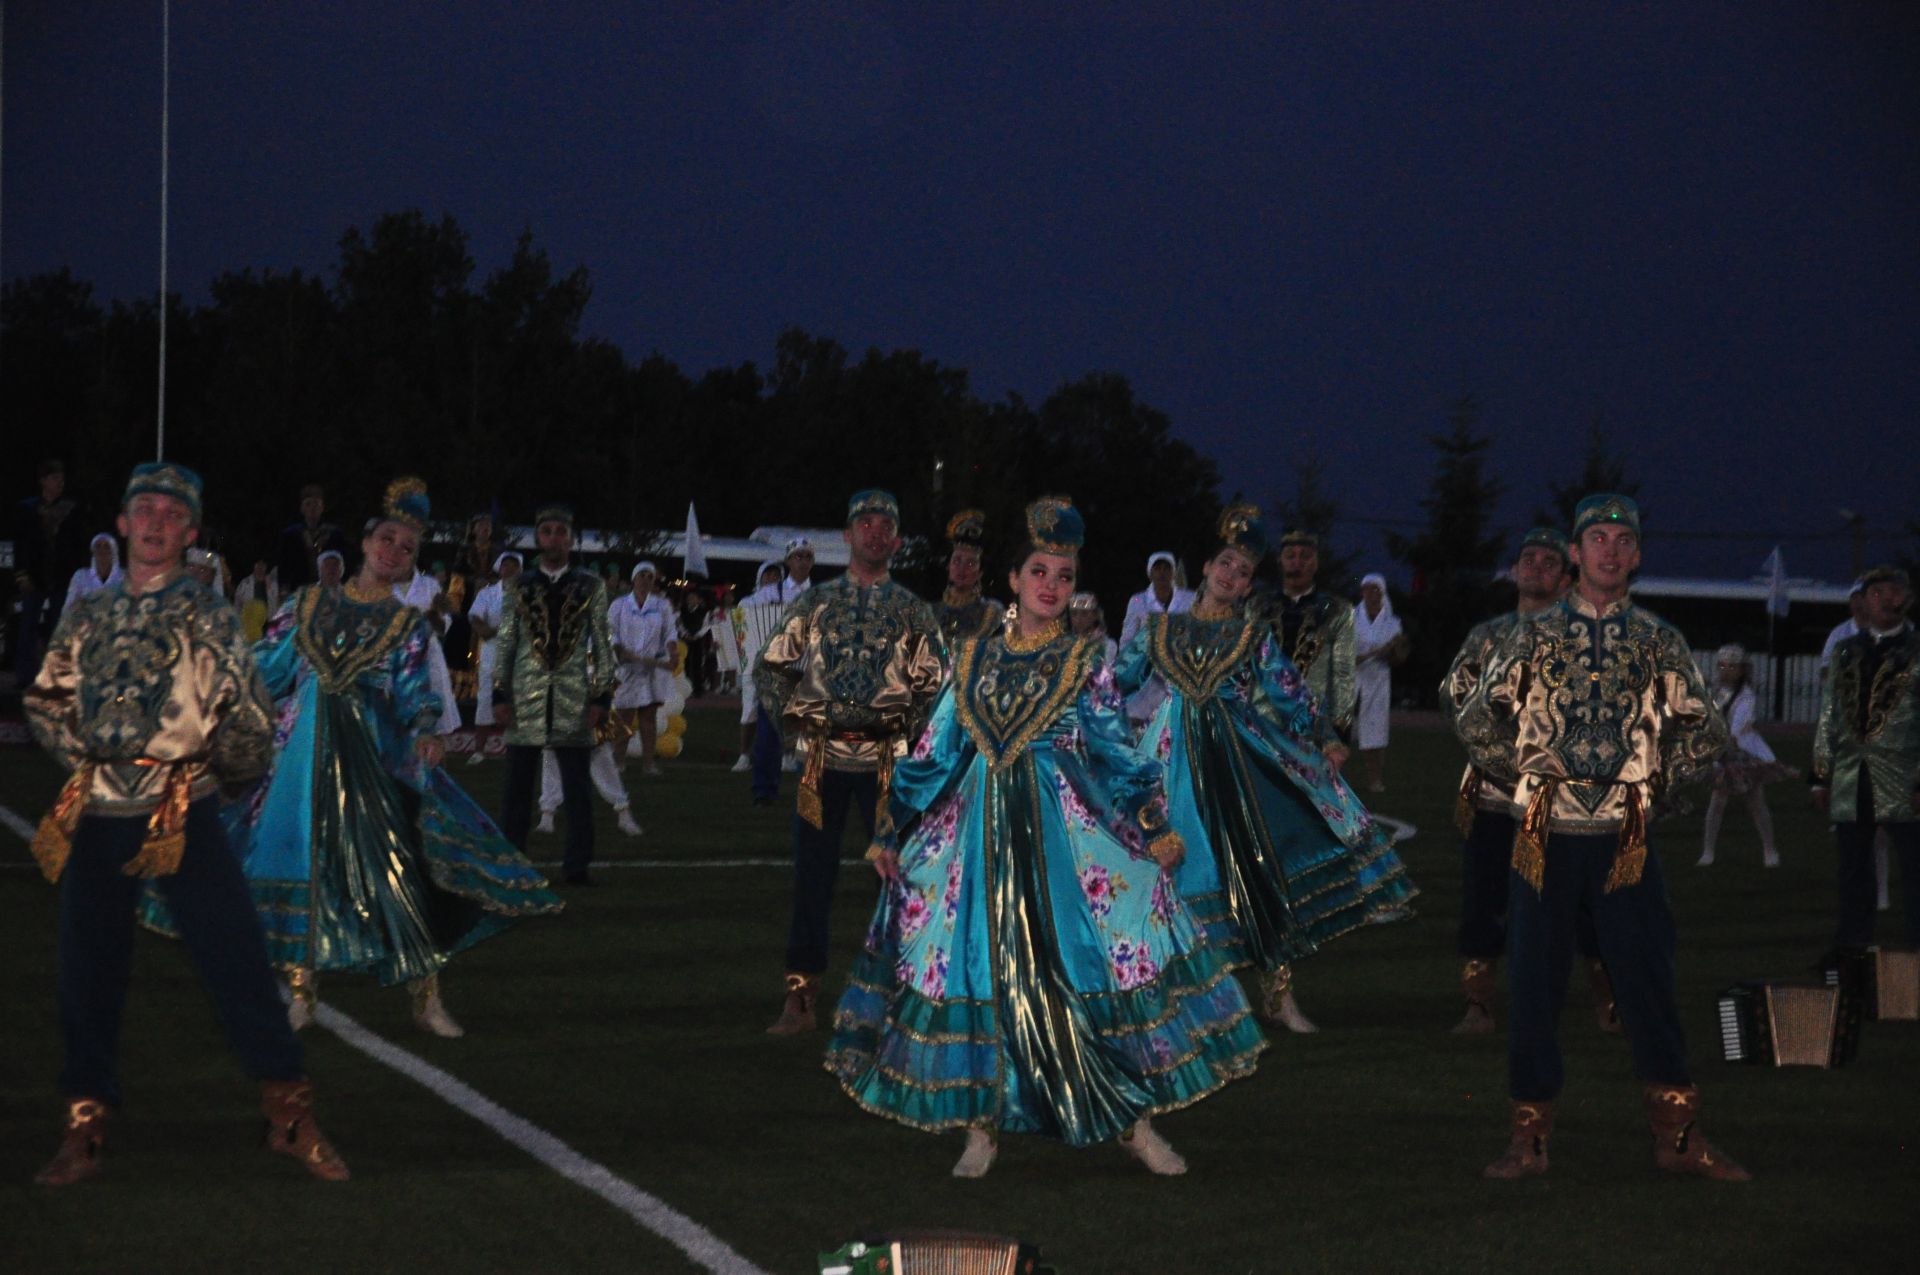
1634 928
767 749
1486 862
213 911
816 864
576 797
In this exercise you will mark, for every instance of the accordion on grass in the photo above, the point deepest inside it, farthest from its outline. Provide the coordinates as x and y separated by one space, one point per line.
936 1253
1787 1023
1885 979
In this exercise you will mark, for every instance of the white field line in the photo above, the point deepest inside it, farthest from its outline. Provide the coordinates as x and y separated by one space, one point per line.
701 1246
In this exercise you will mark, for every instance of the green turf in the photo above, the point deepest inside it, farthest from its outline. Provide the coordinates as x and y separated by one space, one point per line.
631 1028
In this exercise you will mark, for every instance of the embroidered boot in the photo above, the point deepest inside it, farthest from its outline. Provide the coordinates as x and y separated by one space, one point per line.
79 1155
796 1012
1278 1008
303 996
1678 1146
429 1012
1604 1012
288 1107
1526 1153
1479 981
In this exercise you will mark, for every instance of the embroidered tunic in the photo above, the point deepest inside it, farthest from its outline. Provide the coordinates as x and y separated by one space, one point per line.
968 615
152 700
1869 728
1033 969
554 657
856 667
1594 714
1281 856
359 857
1316 633
1480 789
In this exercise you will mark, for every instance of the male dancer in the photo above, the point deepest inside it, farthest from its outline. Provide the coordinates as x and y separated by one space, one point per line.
554 666
1316 631
1484 812
965 612
150 697
853 668
1605 710
1866 754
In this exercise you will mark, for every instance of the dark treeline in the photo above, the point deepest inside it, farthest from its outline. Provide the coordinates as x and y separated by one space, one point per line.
404 362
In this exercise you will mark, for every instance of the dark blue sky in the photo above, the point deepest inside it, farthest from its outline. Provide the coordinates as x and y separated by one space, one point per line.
1303 232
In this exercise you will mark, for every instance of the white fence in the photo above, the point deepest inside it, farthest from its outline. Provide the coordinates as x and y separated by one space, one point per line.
1802 703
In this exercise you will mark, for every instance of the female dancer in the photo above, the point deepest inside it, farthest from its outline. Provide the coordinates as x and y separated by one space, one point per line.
1749 765
1281 856
1030 968
362 854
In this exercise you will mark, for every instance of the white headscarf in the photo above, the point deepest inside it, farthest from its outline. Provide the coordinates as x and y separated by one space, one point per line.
1376 630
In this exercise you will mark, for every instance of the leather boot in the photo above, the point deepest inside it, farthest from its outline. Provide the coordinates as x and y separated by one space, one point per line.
1526 1153
288 1107
797 1012
1678 1146
1479 982
1601 982
79 1155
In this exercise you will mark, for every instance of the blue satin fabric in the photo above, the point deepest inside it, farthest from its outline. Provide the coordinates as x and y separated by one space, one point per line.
1032 971
1281 855
358 857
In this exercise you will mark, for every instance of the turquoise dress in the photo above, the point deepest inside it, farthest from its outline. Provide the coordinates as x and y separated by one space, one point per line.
1281 856
1033 969
359 857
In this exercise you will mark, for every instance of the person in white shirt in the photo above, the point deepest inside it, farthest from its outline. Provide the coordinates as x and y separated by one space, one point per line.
1748 766
1161 596
484 617
423 593
754 621
102 573
1375 629
643 627
770 755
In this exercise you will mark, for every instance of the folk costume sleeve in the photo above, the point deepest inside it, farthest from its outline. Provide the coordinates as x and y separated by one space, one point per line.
1692 733
240 745
777 671
51 704
1128 777
276 653
1280 694
507 641
603 666
1342 688
941 754
1135 662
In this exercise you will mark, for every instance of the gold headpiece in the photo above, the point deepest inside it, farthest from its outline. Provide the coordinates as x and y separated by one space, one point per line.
406 502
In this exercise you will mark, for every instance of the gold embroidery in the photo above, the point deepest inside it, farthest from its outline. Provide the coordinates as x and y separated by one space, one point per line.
339 657
1195 666
1002 722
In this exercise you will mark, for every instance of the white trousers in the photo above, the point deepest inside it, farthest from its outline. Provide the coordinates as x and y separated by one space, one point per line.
604 768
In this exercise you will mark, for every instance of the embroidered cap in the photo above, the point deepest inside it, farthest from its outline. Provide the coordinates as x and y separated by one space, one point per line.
405 502
1884 574
1242 528
1545 538
968 527
1606 507
873 501
1300 536
1055 526
554 511
1083 602
164 478
799 544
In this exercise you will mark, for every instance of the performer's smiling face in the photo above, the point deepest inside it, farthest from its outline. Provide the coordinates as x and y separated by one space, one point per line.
1044 584
158 528
873 540
1607 557
1229 575
389 550
963 566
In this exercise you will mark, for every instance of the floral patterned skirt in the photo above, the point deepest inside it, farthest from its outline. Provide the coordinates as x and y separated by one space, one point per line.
1029 974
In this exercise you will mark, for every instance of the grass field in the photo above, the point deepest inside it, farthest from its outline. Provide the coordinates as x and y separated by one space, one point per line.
630 1027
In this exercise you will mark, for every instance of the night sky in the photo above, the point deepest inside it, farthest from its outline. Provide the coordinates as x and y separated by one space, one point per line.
1298 233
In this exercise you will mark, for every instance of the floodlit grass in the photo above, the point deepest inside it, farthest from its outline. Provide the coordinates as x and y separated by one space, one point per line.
631 1028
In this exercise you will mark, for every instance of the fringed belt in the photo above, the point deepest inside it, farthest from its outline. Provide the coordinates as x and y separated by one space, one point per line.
1466 804
160 850
807 804
1530 842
